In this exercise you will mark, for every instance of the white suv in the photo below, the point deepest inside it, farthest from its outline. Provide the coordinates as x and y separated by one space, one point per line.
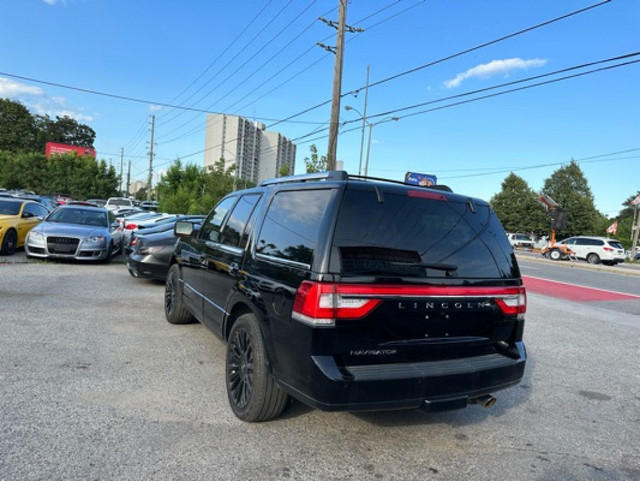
596 249
114 203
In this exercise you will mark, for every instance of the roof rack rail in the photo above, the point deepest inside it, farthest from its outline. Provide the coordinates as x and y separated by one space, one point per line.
328 175
442 187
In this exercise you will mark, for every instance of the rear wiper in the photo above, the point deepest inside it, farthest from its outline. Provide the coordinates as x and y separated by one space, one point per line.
439 267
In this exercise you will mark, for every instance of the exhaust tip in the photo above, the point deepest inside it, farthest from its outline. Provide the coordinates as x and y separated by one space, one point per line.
486 401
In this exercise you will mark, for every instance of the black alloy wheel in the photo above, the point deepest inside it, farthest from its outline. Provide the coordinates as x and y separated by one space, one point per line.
9 243
174 309
253 393
240 368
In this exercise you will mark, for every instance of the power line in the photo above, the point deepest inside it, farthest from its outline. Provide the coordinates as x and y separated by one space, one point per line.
449 57
506 84
255 37
314 63
246 28
484 97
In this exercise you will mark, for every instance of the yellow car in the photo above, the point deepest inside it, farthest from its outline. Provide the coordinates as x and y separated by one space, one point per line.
17 217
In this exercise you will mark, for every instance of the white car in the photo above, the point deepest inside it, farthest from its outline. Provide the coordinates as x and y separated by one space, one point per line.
520 240
596 249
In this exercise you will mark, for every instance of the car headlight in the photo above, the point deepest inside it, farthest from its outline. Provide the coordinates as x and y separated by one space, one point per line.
96 239
35 238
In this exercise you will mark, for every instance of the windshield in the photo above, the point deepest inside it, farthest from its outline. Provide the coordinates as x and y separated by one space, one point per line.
79 217
413 236
10 207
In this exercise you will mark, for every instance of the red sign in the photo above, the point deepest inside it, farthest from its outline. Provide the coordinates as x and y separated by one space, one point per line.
53 148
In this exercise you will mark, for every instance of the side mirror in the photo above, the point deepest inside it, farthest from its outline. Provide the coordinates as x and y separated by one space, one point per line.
183 228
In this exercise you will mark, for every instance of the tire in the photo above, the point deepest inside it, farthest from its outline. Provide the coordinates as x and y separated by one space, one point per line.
555 255
252 391
593 258
9 243
107 260
174 309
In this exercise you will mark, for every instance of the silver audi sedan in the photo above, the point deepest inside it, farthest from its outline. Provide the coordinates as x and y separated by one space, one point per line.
76 232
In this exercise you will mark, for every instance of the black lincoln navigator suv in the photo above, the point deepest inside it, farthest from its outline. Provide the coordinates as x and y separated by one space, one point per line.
353 294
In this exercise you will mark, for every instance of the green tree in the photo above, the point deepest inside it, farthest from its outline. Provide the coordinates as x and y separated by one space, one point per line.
517 207
193 190
80 177
17 127
64 130
284 170
315 163
570 189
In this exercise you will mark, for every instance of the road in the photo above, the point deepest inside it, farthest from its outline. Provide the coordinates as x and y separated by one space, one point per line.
95 384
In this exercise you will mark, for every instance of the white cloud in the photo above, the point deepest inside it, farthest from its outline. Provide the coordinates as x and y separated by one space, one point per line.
495 67
53 2
38 101
57 106
10 89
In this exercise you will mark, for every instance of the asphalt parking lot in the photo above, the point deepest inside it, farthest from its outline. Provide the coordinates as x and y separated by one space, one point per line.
95 384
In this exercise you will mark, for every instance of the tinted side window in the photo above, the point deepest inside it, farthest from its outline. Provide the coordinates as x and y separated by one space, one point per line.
234 231
34 209
291 226
211 226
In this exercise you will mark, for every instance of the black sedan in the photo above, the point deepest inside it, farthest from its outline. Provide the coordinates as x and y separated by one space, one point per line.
151 252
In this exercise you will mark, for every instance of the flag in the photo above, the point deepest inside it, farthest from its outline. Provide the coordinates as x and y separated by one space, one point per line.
613 228
636 201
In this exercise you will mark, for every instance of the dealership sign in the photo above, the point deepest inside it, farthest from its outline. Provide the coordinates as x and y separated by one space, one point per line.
53 148
426 180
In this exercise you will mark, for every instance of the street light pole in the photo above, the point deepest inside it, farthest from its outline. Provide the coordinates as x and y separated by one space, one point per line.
364 119
366 163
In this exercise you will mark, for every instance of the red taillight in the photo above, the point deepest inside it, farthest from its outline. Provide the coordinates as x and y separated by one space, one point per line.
608 249
513 304
322 304
130 226
134 242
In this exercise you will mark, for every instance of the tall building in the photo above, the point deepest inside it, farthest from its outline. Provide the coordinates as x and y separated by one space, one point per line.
257 154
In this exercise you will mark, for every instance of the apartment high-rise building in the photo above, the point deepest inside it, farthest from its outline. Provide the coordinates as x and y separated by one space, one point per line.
257 154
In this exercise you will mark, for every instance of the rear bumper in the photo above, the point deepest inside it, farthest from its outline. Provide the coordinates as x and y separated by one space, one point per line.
147 267
437 385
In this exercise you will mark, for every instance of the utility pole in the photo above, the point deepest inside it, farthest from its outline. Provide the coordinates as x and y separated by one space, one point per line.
636 231
341 26
121 167
128 178
153 121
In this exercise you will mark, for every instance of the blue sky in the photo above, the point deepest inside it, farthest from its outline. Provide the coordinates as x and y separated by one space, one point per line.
259 59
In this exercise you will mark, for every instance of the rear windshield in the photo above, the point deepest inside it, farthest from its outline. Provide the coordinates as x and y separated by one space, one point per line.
121 202
413 236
